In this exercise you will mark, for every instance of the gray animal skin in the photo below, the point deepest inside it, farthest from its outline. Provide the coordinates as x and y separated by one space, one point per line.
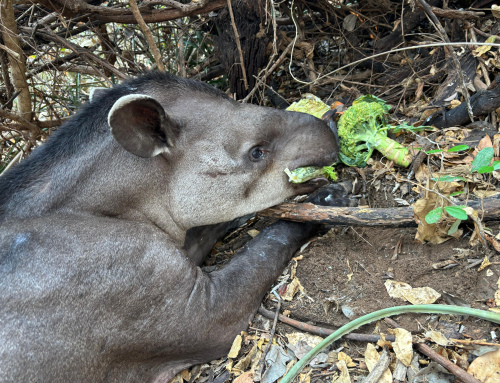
103 229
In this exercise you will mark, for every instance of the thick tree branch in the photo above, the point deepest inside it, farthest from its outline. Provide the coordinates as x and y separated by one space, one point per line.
489 208
17 60
70 8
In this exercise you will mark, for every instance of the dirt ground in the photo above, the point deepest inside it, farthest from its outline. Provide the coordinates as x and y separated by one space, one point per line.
343 274
345 270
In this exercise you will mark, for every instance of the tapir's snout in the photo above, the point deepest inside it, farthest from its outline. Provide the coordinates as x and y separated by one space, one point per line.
314 144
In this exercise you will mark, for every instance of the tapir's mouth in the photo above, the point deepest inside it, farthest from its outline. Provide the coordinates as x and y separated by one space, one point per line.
310 186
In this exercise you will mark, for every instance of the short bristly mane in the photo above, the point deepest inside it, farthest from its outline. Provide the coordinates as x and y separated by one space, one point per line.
87 126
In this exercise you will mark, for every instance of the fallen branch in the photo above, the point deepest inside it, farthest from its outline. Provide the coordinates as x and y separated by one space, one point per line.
489 208
422 347
483 102
323 331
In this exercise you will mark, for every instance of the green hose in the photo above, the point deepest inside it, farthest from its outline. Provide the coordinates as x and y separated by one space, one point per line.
377 315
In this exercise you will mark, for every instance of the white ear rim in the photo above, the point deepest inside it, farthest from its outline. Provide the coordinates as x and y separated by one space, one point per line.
124 100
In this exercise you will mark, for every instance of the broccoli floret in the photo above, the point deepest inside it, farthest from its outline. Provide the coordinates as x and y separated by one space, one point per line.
306 173
363 128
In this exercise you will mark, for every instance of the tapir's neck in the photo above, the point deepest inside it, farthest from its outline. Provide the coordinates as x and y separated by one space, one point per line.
104 181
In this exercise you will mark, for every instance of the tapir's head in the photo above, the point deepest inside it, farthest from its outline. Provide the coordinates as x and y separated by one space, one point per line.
217 159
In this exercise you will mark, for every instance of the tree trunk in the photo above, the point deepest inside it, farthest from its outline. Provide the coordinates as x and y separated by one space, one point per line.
249 20
17 59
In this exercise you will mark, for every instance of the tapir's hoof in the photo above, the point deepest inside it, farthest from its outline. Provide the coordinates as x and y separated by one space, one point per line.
338 194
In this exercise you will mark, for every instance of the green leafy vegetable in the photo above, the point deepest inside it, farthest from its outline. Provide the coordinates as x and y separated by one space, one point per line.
306 173
313 106
363 128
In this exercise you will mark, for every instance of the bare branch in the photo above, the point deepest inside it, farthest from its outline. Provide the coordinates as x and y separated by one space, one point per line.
118 15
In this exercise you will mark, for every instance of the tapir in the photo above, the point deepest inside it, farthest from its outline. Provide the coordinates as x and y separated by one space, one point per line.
104 227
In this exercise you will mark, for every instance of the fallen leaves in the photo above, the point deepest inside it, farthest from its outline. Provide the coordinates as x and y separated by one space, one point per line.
416 296
486 368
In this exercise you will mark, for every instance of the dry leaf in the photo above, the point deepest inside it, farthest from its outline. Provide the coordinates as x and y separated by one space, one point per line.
305 378
495 10
246 377
486 262
435 233
494 242
497 294
348 360
235 348
437 337
312 340
186 375
481 50
403 345
371 359
486 367
382 342
177 379
243 363
344 373
416 296
253 233
293 288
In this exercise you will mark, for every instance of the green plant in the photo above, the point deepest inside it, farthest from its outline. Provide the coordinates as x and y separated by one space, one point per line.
481 165
363 128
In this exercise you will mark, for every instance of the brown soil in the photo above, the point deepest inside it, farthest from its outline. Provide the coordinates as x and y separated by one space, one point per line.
347 269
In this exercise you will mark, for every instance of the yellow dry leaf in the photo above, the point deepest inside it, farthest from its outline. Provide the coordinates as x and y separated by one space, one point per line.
495 10
186 375
235 348
349 276
312 340
416 296
403 345
305 378
486 262
486 367
437 337
253 233
371 359
344 373
177 379
243 363
481 50
293 288
348 360
382 342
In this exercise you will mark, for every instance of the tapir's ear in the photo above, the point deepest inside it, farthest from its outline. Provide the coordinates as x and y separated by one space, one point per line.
139 124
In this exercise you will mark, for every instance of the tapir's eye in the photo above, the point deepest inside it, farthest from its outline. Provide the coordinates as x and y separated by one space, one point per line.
257 153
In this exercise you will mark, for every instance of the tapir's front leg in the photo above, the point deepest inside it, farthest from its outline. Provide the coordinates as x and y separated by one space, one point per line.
221 303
